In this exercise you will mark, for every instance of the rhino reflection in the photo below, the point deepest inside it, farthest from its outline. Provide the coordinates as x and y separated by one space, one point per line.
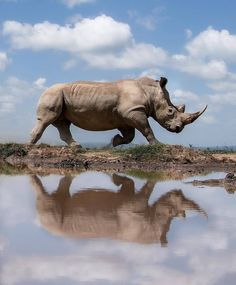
229 183
125 215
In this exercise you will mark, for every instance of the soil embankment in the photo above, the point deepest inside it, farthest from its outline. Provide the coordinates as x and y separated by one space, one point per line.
144 157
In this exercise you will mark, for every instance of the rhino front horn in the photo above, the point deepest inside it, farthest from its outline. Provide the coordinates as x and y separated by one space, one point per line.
191 205
191 117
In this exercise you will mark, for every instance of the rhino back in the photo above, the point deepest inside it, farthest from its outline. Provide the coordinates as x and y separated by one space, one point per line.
82 95
97 106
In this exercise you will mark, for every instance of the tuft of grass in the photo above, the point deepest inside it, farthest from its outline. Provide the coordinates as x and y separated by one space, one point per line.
7 169
148 152
12 148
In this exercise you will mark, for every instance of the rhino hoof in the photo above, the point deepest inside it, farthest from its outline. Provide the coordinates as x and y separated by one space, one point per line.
117 140
75 145
155 142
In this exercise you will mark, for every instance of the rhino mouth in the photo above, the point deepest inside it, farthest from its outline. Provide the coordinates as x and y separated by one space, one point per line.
176 129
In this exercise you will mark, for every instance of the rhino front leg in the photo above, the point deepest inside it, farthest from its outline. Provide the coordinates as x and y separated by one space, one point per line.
147 189
139 120
37 184
148 133
63 189
127 137
38 131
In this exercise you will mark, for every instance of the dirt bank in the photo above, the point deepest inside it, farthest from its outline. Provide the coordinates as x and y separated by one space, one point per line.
144 157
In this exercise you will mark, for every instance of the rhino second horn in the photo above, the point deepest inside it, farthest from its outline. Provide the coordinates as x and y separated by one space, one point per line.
191 117
181 108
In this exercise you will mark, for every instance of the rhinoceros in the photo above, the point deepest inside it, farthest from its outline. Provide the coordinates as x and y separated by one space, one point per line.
101 213
125 105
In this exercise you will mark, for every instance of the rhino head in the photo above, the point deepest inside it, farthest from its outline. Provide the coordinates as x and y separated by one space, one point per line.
171 117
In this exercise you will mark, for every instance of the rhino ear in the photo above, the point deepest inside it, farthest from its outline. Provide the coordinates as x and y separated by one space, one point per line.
163 82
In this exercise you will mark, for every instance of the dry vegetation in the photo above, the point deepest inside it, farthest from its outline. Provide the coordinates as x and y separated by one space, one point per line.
146 157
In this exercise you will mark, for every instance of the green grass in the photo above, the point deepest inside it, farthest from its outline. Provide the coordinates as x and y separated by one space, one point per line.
12 148
144 151
8 169
152 175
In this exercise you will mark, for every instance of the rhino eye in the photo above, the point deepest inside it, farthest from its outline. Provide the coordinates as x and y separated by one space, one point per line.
171 111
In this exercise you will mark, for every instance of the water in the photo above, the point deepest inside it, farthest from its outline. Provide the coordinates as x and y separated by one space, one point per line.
100 228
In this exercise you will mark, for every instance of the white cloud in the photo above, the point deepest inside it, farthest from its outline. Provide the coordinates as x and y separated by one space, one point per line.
13 91
228 98
4 61
209 119
224 85
213 69
125 263
69 64
225 92
72 3
188 33
213 44
75 18
98 34
108 44
154 73
149 21
102 42
207 54
138 55
40 83
3 243
52 268
183 95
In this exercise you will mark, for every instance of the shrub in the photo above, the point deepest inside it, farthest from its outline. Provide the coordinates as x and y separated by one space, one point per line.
12 148
144 151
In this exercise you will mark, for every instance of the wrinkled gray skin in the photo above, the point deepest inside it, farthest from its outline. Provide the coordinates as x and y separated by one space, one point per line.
125 105
125 215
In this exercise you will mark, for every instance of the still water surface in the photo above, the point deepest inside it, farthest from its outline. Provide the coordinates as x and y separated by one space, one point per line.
100 228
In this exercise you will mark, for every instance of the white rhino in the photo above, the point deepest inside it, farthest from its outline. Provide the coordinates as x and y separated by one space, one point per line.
100 213
124 105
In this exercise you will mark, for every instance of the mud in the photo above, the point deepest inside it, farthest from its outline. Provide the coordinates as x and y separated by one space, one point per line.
174 159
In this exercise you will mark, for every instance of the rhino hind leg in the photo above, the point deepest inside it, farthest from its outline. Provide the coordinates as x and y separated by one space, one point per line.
63 127
127 184
126 138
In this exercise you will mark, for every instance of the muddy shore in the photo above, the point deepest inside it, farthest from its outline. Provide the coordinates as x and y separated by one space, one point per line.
175 158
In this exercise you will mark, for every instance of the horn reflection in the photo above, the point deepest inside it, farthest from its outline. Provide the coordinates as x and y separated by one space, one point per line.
124 215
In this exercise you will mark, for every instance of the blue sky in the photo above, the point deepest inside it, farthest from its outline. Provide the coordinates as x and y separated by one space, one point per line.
192 43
